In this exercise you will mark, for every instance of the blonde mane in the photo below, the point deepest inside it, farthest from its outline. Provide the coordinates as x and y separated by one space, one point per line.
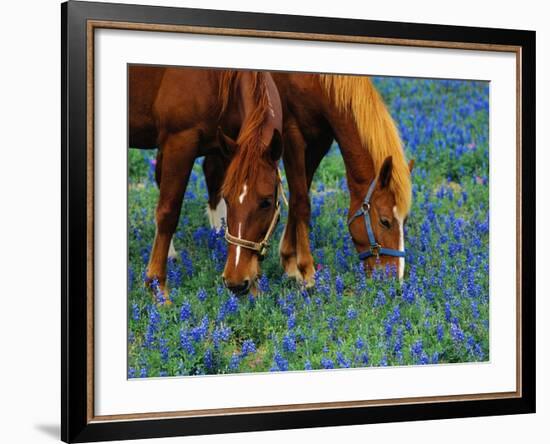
379 135
251 148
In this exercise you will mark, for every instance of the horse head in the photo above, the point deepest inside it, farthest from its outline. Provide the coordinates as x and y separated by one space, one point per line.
376 227
251 191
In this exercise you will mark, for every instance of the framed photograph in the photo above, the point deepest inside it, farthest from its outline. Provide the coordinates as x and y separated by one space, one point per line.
277 221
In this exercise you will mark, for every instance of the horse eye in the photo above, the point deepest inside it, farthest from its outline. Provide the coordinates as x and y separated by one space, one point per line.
265 203
385 223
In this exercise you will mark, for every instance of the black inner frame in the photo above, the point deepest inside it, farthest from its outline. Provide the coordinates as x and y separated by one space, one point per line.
74 423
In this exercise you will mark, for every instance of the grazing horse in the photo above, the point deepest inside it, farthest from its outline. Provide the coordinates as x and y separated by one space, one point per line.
319 109
231 116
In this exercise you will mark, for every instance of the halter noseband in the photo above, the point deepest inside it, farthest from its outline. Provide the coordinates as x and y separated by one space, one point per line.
375 248
262 246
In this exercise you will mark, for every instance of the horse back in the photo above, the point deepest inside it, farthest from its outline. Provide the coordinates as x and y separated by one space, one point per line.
169 100
188 98
143 86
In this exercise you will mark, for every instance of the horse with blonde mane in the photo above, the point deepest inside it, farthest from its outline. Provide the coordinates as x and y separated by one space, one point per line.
317 110
234 118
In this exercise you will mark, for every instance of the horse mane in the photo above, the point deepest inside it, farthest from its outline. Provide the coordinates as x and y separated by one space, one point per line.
251 147
377 130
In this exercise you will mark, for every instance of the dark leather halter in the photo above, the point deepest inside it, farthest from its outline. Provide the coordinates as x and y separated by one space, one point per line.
261 247
375 248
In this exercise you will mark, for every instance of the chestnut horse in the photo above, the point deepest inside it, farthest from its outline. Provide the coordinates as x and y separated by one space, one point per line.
189 113
319 109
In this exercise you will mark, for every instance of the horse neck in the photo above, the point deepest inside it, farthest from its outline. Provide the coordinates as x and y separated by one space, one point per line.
359 164
258 99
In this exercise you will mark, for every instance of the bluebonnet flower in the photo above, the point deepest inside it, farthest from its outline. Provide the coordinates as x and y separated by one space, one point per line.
199 332
327 363
342 361
281 363
408 294
351 313
185 311
416 348
439 332
153 326
456 333
159 294
263 284
187 263
186 342
307 365
201 294
447 312
291 323
131 277
164 349
235 361
398 345
331 322
341 261
388 328
380 299
209 359
248 347
289 343
220 334
230 306
475 309
339 284
361 280
135 312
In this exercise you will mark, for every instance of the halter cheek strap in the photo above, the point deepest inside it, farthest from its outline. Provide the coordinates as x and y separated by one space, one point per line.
262 246
375 248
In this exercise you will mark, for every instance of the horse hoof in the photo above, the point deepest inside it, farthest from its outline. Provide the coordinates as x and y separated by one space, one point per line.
309 283
291 268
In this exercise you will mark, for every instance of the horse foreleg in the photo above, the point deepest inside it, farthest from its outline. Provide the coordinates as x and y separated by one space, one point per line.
295 250
178 154
287 248
172 253
214 167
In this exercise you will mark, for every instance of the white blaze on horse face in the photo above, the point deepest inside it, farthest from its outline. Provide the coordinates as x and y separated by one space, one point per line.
218 215
401 271
243 194
238 255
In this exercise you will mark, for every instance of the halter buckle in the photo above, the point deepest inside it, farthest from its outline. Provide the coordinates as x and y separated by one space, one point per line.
375 250
366 207
262 252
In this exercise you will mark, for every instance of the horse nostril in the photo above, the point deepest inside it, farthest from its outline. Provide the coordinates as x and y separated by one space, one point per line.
239 288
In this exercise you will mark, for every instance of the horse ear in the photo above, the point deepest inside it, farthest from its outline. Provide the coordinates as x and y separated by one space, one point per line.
276 145
385 172
227 144
411 165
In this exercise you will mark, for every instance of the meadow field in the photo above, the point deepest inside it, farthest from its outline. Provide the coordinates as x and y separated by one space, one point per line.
438 314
